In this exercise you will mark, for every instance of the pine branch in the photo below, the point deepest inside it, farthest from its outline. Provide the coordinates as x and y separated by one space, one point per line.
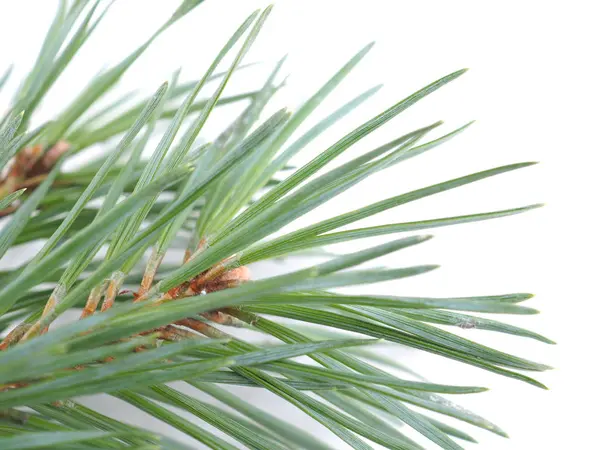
108 226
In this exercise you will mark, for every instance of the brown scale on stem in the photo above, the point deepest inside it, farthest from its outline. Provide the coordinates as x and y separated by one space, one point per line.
214 279
217 279
92 302
174 334
15 335
150 272
112 291
29 168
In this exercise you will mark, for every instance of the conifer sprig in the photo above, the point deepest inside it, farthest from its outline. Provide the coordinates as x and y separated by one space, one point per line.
107 226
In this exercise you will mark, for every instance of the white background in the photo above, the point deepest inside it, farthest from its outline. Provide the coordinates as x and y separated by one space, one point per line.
533 88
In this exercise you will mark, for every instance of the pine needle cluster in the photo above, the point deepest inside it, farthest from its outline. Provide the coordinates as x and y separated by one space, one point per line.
107 226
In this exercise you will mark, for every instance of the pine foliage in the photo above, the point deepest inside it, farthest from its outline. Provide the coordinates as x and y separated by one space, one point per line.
106 226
